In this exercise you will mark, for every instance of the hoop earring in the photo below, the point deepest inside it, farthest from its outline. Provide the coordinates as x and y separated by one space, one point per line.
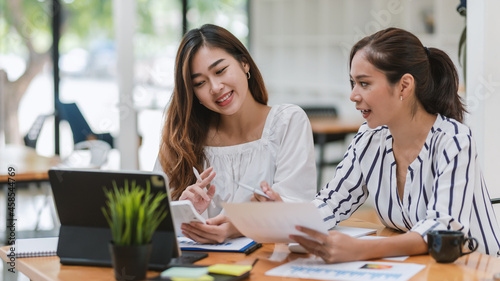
248 75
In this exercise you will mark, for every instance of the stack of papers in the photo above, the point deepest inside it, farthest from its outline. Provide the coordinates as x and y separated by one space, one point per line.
240 245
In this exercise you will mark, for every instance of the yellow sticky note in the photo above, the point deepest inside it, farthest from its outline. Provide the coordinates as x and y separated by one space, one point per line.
229 269
201 278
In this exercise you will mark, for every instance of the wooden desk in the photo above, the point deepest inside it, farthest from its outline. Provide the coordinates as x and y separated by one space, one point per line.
471 267
325 129
323 125
28 167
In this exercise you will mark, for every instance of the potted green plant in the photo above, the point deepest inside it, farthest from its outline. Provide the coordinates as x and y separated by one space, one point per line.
133 214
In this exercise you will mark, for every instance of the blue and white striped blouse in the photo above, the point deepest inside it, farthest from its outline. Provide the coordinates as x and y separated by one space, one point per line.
444 186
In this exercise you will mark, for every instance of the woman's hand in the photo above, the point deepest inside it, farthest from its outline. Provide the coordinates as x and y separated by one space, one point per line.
196 192
273 196
338 247
332 248
216 230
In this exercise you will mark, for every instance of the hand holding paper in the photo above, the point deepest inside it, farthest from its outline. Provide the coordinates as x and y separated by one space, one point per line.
273 222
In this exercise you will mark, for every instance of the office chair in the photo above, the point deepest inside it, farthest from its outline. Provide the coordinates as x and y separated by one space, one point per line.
322 139
31 138
79 126
87 154
91 154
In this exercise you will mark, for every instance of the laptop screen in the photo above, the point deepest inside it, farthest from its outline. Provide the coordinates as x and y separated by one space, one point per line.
84 234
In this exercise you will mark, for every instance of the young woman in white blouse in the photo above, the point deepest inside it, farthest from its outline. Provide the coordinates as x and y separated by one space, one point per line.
218 121
413 156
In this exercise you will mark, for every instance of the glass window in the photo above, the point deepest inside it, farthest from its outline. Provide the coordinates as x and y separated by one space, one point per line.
156 41
230 14
26 84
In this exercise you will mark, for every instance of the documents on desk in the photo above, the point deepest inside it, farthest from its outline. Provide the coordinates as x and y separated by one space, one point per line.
273 222
238 245
315 268
36 247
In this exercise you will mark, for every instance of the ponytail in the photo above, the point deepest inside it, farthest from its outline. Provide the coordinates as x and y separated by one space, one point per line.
443 97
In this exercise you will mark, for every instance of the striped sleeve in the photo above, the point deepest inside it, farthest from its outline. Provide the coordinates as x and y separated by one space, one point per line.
346 191
450 203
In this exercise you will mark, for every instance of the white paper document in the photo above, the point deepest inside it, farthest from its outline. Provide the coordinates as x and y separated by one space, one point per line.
354 231
315 268
273 222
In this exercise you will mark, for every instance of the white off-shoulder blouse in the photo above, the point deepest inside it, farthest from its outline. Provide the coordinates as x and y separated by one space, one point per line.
283 156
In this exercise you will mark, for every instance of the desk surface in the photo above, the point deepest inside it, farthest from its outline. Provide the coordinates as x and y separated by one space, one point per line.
29 165
341 125
471 267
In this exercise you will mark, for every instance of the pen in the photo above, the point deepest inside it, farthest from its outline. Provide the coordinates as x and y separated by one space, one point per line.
197 175
258 191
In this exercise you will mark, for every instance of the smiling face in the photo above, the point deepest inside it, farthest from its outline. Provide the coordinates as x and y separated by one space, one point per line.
219 80
378 101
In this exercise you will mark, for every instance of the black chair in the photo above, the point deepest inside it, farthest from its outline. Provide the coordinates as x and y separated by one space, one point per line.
322 139
31 138
79 126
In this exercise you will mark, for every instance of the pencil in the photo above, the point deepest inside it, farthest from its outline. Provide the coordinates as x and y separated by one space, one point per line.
197 175
258 191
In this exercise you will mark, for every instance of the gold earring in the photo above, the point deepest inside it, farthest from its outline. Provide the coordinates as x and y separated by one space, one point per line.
248 75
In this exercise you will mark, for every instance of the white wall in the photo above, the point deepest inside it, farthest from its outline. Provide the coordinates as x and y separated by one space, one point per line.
302 47
483 84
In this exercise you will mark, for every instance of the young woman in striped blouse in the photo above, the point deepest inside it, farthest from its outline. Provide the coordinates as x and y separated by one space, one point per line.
413 156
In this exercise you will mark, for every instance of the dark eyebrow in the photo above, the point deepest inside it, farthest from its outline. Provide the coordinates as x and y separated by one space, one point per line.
360 76
194 75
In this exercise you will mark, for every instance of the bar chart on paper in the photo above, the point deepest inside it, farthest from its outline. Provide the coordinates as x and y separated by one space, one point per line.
314 268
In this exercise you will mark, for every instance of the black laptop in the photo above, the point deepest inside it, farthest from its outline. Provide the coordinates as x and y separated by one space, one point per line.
84 234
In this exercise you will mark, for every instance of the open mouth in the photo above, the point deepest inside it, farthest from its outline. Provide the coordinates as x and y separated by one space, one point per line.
365 112
223 99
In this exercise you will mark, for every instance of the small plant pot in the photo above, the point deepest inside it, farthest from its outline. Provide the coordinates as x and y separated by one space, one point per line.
130 262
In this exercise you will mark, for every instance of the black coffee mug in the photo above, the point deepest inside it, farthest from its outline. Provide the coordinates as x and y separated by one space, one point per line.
446 246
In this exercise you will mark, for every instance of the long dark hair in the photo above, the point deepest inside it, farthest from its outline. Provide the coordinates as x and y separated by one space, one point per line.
187 121
397 52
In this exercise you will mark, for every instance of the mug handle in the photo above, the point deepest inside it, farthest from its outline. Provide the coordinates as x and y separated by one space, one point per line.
474 243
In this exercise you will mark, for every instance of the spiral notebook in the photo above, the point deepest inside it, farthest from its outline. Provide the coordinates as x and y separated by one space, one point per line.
36 247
